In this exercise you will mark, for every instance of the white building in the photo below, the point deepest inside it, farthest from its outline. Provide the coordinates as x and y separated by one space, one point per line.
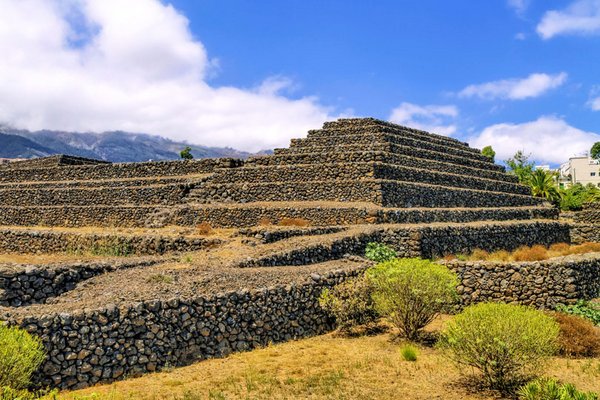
581 169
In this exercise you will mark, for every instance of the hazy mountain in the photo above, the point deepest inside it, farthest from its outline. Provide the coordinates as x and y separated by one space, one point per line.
14 146
110 146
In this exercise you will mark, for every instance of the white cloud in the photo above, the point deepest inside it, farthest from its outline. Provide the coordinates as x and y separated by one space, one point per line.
515 89
96 65
594 104
580 17
520 6
520 36
431 118
548 139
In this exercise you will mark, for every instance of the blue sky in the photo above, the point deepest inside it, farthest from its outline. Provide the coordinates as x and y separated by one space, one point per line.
517 74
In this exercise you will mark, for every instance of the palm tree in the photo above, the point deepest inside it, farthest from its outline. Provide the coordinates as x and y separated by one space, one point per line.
543 184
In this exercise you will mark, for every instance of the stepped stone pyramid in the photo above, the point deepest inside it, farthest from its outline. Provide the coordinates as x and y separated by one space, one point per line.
351 172
421 176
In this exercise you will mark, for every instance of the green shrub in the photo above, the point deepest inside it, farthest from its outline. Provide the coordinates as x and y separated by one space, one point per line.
584 309
7 393
379 252
411 292
409 352
20 355
350 303
550 389
505 342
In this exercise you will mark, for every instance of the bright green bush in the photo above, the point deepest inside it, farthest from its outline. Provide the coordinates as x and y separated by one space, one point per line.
584 309
7 393
550 389
379 252
20 355
505 342
409 352
411 292
350 303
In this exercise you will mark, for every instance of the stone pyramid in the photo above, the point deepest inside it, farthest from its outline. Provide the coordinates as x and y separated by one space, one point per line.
424 177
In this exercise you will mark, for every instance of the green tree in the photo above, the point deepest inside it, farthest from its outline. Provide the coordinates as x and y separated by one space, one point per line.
595 151
520 166
543 184
186 153
489 152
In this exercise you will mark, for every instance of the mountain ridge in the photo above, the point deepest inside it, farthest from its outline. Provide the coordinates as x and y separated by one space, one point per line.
114 146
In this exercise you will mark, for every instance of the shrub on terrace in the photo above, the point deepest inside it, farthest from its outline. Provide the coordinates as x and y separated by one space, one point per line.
350 303
584 309
506 343
411 292
379 252
550 389
20 355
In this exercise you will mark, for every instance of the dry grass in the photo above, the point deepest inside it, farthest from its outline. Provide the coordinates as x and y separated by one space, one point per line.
526 253
294 222
52 258
204 229
265 222
324 367
578 336
534 253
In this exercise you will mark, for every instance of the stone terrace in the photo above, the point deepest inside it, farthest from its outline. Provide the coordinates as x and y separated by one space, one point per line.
164 263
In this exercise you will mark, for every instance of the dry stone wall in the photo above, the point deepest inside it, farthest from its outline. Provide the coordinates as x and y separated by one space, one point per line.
589 215
424 241
542 284
108 344
163 194
118 171
391 148
39 242
157 216
331 156
377 191
582 233
21 285
367 138
350 171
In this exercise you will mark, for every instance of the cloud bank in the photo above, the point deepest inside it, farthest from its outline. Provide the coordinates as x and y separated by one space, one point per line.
96 65
432 118
581 17
534 85
548 139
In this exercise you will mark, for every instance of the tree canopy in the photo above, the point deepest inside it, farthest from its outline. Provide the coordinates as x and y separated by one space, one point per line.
186 153
489 152
520 166
595 151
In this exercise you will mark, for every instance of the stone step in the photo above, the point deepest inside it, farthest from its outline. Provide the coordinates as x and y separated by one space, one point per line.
100 242
370 138
118 171
395 149
380 156
106 183
221 215
382 192
359 124
426 241
358 171
157 194
397 131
